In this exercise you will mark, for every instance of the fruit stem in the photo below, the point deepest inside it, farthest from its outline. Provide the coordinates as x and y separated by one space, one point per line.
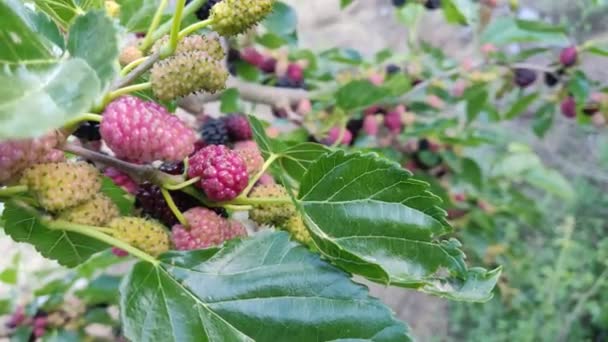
138 71
258 201
255 178
73 124
132 66
13 190
234 207
94 232
182 185
175 26
126 90
174 209
195 27
164 28
155 22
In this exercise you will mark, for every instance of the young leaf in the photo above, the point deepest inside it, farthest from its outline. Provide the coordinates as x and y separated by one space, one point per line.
67 248
368 216
136 15
18 39
43 98
521 105
85 35
292 160
265 288
65 11
120 197
358 94
295 160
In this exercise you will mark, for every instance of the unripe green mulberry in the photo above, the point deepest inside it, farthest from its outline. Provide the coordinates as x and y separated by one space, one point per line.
96 212
272 214
295 225
148 235
208 44
231 17
58 186
187 73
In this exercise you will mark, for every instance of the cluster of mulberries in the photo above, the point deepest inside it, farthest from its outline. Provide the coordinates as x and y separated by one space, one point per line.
71 191
17 155
195 66
381 123
278 69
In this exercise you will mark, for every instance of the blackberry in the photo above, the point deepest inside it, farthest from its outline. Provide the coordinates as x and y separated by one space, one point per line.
88 131
524 77
423 144
551 79
354 126
286 82
152 203
214 132
392 69
172 168
203 12
591 108
432 4
279 112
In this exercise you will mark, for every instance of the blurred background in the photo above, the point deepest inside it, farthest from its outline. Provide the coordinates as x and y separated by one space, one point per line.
554 250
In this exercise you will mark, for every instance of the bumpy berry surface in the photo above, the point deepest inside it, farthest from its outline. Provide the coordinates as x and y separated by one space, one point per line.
238 127
206 228
249 151
215 132
152 203
524 77
17 155
58 186
172 168
144 131
222 171
97 211
295 225
235 229
186 73
88 131
204 43
121 179
148 235
231 17
272 214
203 12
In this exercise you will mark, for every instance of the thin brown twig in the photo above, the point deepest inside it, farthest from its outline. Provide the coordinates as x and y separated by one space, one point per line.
140 173
135 73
